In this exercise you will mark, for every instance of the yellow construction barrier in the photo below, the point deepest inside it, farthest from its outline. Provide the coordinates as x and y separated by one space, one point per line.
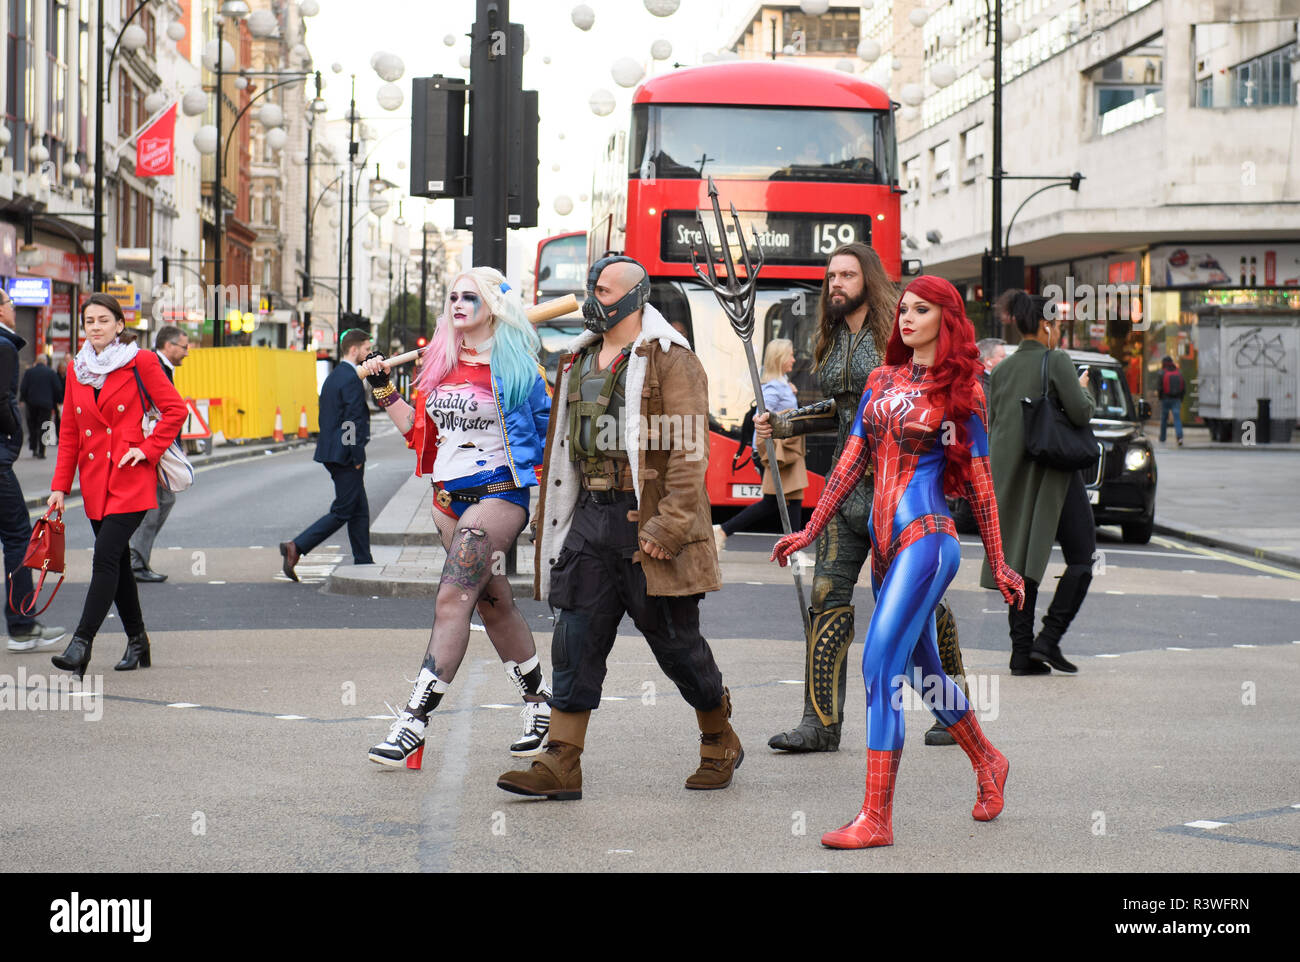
247 384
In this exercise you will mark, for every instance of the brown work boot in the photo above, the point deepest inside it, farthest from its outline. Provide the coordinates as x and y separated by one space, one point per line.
557 772
720 750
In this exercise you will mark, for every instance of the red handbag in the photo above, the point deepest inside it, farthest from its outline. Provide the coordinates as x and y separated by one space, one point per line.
44 554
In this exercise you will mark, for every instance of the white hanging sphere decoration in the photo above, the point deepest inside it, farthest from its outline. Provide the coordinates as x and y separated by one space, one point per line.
154 102
869 50
546 59
464 61
601 103
1011 32
389 96
910 113
555 168
300 51
582 198
449 40
176 31
897 64
943 74
261 23
711 57
401 165
210 55
276 138
88 178
814 8
336 67
627 72
911 94
663 8
986 69
661 49
582 16
390 67
205 139
71 170
194 102
270 115
241 83
133 38
947 39
845 65
309 8
561 134
918 17
563 205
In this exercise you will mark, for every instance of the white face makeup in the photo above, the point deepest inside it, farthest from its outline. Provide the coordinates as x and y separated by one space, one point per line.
468 312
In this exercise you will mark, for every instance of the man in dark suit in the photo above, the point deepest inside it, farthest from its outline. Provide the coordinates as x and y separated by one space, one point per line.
40 392
171 345
341 447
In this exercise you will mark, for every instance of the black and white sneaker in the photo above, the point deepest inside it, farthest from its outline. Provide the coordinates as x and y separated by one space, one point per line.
537 722
405 739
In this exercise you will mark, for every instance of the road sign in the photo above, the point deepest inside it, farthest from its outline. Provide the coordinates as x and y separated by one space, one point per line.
123 293
196 424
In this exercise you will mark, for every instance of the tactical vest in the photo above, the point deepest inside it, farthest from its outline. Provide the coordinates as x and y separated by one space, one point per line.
596 403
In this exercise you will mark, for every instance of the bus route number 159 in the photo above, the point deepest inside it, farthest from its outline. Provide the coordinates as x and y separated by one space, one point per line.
827 237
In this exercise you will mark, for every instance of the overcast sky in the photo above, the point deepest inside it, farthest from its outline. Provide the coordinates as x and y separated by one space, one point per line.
349 32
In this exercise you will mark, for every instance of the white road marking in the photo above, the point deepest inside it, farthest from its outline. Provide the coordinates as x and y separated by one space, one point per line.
291 717
255 547
612 698
620 851
1205 823
216 582
1177 649
1108 656
1209 596
183 704
498 706
1245 646
379 717
789 681
1114 592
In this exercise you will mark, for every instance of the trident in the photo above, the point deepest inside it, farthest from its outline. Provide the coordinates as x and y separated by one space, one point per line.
737 300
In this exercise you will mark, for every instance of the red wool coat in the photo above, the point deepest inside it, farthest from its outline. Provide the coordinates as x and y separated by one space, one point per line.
96 434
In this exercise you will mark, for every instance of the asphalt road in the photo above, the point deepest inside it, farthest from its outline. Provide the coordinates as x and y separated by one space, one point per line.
243 747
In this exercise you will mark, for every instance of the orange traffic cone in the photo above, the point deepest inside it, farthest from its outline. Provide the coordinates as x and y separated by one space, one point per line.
302 423
279 425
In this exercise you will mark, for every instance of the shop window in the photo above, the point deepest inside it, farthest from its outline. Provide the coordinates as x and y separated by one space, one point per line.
941 167
833 32
972 149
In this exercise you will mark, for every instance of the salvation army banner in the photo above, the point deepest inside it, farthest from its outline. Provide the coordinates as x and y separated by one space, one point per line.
155 148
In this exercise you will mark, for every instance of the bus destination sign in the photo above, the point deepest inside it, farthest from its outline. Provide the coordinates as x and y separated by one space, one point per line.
786 238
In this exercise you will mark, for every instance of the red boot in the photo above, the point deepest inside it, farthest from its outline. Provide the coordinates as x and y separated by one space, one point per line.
874 825
991 767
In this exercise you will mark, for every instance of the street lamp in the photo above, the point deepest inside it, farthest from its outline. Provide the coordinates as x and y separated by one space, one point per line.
317 106
428 231
235 10
1072 182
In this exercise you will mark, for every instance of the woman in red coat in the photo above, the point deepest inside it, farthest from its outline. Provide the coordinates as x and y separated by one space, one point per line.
102 437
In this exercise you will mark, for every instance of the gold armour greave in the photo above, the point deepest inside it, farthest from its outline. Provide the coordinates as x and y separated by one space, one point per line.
832 633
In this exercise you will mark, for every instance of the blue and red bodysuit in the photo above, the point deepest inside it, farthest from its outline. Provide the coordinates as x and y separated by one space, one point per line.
915 552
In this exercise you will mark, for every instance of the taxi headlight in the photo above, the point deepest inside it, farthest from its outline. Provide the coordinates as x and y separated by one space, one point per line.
1136 459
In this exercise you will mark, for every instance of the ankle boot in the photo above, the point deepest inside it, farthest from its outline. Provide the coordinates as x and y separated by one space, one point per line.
825 683
405 742
75 657
991 767
1021 623
557 772
136 655
950 658
1068 598
874 825
720 749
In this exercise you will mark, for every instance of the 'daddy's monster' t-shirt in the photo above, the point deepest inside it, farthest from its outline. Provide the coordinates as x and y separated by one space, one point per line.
469 434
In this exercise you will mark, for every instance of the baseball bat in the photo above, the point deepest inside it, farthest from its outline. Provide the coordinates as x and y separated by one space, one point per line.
537 313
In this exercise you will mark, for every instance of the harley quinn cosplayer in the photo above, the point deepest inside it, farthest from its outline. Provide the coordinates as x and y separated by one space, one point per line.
478 433
922 424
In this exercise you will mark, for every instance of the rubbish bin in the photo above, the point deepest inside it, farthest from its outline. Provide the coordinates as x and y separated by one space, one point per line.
1263 421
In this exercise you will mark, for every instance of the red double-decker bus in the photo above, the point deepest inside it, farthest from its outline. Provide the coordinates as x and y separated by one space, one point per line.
808 158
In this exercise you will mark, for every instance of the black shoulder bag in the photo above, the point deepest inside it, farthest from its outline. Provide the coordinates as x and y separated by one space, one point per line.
1050 438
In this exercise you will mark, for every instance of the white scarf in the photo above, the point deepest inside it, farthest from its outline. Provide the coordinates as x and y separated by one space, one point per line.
92 368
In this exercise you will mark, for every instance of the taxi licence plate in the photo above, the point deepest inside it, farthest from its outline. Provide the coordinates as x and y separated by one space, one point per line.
1094 496
751 492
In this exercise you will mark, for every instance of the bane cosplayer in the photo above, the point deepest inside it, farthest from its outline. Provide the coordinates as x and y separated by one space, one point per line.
857 313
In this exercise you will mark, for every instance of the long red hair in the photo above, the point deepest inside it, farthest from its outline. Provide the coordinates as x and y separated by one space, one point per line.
956 371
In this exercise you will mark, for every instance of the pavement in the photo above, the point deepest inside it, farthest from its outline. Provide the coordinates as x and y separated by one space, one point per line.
1242 498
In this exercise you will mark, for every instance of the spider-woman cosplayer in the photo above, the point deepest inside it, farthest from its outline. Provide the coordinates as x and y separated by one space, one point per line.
921 423
479 434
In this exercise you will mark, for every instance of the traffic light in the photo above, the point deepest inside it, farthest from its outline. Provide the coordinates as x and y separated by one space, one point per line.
438 152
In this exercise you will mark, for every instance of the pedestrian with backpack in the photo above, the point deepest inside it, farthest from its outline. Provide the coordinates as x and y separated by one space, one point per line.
1172 389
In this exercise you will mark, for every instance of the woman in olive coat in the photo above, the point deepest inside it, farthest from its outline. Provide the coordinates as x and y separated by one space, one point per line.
1038 505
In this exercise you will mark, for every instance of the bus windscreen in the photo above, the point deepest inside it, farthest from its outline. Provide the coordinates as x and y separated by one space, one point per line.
562 267
691 142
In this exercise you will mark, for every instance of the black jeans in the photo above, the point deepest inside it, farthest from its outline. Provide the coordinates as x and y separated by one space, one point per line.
16 534
1076 531
594 582
111 579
